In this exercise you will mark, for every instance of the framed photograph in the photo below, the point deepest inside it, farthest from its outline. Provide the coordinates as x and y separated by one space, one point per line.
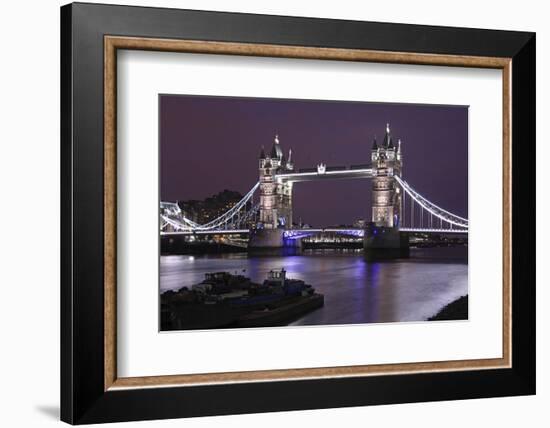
266 213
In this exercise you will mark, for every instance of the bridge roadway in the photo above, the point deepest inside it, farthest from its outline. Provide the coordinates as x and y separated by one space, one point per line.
300 233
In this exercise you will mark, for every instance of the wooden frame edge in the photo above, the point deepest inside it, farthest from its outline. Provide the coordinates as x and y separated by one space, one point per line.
507 213
112 43
300 374
301 52
109 198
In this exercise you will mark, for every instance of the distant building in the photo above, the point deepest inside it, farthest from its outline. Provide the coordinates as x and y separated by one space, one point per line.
210 208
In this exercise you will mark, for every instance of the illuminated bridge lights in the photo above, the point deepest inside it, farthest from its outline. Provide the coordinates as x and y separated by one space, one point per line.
238 217
303 233
440 231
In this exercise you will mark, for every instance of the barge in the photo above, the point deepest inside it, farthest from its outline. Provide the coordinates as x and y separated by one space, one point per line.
225 300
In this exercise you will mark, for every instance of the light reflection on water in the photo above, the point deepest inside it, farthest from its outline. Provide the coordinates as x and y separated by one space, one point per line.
355 290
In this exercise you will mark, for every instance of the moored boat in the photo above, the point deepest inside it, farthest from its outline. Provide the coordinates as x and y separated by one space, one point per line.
224 300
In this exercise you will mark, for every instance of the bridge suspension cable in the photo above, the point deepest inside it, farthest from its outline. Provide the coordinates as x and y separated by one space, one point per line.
245 210
176 219
425 205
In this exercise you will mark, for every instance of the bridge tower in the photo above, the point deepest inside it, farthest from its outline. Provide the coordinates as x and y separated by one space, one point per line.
275 198
382 237
268 206
387 162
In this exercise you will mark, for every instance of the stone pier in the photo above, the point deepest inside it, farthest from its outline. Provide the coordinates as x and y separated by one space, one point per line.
271 239
382 242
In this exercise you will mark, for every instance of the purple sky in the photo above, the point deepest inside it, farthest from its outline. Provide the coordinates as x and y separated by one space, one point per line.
208 144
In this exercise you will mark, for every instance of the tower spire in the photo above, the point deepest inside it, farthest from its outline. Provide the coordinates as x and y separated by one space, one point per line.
387 138
276 151
374 144
289 165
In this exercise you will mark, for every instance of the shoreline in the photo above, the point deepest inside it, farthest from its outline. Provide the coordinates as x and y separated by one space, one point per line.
454 311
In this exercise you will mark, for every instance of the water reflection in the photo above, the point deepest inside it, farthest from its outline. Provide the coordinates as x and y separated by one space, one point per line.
356 290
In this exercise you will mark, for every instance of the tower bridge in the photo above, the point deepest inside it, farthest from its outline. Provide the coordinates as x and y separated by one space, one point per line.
265 213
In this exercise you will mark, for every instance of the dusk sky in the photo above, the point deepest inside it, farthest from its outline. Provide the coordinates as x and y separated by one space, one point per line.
208 144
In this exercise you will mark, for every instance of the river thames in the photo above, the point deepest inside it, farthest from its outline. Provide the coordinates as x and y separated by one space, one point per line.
356 290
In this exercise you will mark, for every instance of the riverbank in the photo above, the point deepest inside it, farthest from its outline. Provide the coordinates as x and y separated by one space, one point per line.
456 310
